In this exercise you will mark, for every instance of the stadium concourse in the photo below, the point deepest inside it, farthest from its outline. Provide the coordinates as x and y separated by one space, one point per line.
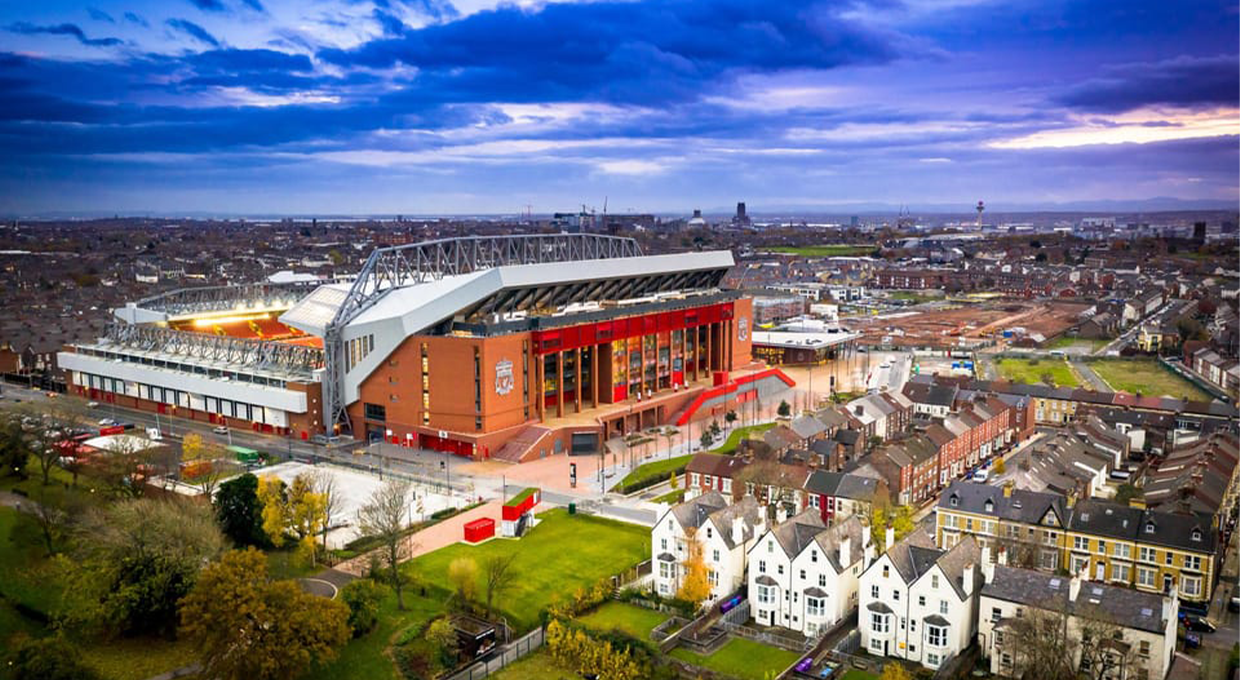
510 348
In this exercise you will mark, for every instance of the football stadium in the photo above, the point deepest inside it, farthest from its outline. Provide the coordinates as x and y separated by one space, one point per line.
506 347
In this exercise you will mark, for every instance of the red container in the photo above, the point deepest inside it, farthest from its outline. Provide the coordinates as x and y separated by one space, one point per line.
479 530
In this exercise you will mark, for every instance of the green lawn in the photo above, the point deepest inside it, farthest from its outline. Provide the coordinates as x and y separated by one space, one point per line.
649 474
915 298
1065 342
365 658
1031 370
1146 376
627 618
854 674
742 659
137 658
835 250
535 666
672 498
563 553
734 438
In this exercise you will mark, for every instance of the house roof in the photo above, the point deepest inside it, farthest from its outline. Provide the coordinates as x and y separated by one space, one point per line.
1123 606
1024 506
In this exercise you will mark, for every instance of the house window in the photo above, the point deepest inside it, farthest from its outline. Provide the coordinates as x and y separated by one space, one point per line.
878 622
874 592
886 571
1170 558
1192 562
376 412
814 606
936 636
1190 585
1145 577
1143 648
895 595
995 615
813 555
921 600
712 576
710 533
781 570
761 566
934 580
1147 555
932 660
1120 572
1080 543
715 555
766 595
822 581
943 607
662 544
1102 547
802 574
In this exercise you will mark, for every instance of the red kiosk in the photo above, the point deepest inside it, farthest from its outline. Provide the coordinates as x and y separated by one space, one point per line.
518 512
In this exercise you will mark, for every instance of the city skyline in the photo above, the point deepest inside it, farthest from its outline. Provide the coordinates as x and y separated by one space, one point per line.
349 107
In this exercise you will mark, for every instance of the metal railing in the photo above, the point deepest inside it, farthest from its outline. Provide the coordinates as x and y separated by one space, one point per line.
265 354
509 654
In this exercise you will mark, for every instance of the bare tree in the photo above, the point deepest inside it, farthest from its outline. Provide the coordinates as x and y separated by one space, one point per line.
324 483
54 516
127 465
499 576
1056 642
384 517
207 461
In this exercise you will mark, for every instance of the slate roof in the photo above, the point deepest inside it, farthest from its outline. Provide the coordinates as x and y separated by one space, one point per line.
1024 506
1124 606
797 531
693 513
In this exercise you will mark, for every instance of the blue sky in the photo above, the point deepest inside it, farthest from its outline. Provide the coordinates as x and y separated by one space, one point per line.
432 106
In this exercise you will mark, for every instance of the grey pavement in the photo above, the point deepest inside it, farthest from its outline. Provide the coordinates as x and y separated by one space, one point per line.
1094 380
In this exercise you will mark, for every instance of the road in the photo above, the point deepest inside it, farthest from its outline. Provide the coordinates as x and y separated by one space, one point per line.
1095 381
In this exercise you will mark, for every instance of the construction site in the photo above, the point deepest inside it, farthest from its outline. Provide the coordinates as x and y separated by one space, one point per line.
952 325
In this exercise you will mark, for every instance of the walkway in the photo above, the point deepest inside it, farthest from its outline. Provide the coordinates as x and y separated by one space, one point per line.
1093 379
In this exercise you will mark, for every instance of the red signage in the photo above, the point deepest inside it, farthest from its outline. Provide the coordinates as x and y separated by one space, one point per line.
584 335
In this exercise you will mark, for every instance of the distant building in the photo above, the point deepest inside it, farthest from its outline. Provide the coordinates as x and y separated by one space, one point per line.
740 219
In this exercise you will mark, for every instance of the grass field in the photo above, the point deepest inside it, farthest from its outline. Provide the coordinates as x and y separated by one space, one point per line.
564 552
659 470
365 658
672 497
742 659
1146 376
854 674
836 250
734 439
626 618
1065 342
1019 369
536 666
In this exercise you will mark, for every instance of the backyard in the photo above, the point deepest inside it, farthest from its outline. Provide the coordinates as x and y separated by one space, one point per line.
742 659
629 619
563 553
1032 370
536 666
1146 376
1078 345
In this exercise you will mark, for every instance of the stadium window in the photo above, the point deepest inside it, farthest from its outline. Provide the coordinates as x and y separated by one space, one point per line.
376 412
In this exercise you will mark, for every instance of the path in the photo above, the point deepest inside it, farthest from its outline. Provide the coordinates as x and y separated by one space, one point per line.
1094 380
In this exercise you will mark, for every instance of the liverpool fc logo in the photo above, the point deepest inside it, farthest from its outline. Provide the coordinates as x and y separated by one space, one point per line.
742 328
503 377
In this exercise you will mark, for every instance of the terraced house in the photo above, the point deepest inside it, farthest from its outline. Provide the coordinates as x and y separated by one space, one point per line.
1098 540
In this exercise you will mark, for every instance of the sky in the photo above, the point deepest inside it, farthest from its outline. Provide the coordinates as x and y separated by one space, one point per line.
439 106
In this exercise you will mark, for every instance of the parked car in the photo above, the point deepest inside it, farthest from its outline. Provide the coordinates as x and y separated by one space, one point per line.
1198 624
1233 605
981 475
220 429
92 404
106 422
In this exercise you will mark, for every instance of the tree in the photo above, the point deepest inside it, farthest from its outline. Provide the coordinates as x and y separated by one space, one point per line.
273 495
383 518
1126 492
247 627
499 577
695 587
706 439
1047 378
899 518
127 465
54 517
207 462
49 658
895 671
363 598
443 636
673 480
14 450
1000 466
730 417
324 484
874 441
239 511
307 512
44 426
135 559
784 409
463 575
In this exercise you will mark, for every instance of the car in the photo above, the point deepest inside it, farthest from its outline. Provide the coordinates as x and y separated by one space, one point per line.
106 422
981 475
1233 605
220 429
1198 624
92 404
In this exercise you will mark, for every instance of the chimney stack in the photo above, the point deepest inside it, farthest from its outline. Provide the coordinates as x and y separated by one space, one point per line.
845 551
968 577
889 537
738 530
1003 556
1074 588
1007 489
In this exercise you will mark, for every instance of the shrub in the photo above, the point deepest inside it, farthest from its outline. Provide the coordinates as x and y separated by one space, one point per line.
363 597
49 658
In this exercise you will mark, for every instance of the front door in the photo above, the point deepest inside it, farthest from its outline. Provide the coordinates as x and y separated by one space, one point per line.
1166 583
1100 571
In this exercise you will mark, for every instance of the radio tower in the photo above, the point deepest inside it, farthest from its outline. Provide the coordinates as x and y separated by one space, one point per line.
980 207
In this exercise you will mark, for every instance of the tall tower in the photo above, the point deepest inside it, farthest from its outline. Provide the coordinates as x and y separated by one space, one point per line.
980 207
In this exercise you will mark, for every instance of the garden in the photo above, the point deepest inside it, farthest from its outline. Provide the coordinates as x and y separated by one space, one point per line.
1037 370
1146 376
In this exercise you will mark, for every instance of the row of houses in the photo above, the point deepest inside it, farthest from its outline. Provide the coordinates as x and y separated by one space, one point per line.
1101 540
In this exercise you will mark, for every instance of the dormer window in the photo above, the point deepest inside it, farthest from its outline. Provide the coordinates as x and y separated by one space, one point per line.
1149 527
1197 534
990 505
954 500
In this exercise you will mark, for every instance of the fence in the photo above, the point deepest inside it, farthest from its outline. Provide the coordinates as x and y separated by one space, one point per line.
508 654
734 623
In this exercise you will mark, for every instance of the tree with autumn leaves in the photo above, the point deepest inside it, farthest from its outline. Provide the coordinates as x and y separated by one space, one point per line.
695 586
249 627
299 509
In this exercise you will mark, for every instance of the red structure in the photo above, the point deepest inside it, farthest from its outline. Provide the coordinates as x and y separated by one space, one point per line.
479 530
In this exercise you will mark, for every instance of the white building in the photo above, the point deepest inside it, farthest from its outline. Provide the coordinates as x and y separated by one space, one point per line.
1140 627
918 602
725 531
817 587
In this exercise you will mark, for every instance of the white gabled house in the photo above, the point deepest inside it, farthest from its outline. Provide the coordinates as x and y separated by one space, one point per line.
803 575
725 531
919 603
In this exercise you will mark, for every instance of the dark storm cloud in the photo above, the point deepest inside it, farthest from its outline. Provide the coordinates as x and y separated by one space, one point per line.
1184 81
